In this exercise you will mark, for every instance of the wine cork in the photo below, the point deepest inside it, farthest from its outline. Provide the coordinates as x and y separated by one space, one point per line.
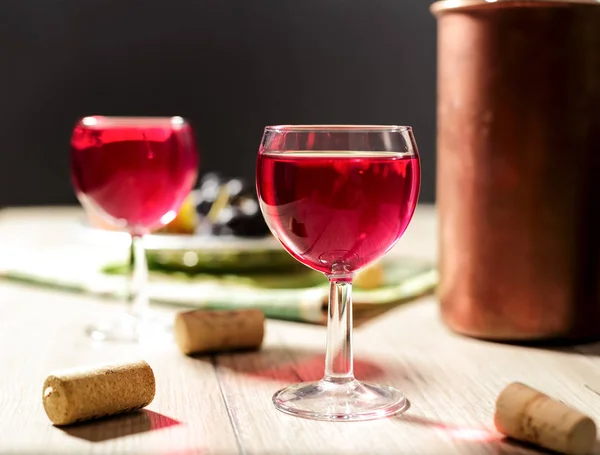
78 394
203 331
528 415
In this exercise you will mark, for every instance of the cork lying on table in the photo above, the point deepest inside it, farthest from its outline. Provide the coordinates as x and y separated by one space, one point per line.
78 394
528 415
202 331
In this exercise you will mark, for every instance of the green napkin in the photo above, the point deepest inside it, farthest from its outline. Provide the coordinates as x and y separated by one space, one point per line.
298 294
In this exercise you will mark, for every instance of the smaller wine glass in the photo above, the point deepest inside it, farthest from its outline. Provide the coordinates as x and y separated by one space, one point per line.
338 198
135 173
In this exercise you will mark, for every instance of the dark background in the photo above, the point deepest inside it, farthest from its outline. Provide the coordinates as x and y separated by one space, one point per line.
230 66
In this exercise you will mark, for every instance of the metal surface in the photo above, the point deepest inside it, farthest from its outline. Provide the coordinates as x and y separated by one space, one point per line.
445 5
518 178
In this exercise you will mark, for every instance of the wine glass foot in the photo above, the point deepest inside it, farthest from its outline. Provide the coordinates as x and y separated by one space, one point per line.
333 401
132 329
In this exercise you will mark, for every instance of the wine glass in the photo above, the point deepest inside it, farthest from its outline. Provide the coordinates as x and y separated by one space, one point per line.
338 197
134 173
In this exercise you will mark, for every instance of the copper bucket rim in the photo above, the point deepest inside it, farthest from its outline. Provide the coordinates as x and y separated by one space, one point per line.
441 6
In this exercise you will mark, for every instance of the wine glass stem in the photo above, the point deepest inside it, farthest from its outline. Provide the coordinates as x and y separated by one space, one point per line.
138 280
339 366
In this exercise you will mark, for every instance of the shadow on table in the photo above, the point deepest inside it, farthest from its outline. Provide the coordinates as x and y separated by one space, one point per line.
589 347
120 426
480 438
287 364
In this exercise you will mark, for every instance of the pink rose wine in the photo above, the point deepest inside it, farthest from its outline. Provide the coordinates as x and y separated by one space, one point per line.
337 211
136 174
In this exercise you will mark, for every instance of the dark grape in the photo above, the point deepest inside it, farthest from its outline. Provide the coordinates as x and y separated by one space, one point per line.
239 216
221 230
243 225
207 192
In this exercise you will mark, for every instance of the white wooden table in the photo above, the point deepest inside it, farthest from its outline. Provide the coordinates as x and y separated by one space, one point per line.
222 404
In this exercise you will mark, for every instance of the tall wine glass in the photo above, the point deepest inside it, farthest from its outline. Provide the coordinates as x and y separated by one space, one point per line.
338 198
135 173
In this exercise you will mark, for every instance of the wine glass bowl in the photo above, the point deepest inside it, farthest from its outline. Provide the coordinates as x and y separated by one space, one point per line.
338 198
134 173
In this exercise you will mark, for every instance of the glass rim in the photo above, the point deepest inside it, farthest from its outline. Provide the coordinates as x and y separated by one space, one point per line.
91 121
337 128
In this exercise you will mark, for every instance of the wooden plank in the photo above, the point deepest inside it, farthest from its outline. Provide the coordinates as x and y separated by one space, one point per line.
451 382
222 404
42 330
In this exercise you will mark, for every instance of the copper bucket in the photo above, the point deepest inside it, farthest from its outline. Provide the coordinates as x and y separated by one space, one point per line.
518 177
